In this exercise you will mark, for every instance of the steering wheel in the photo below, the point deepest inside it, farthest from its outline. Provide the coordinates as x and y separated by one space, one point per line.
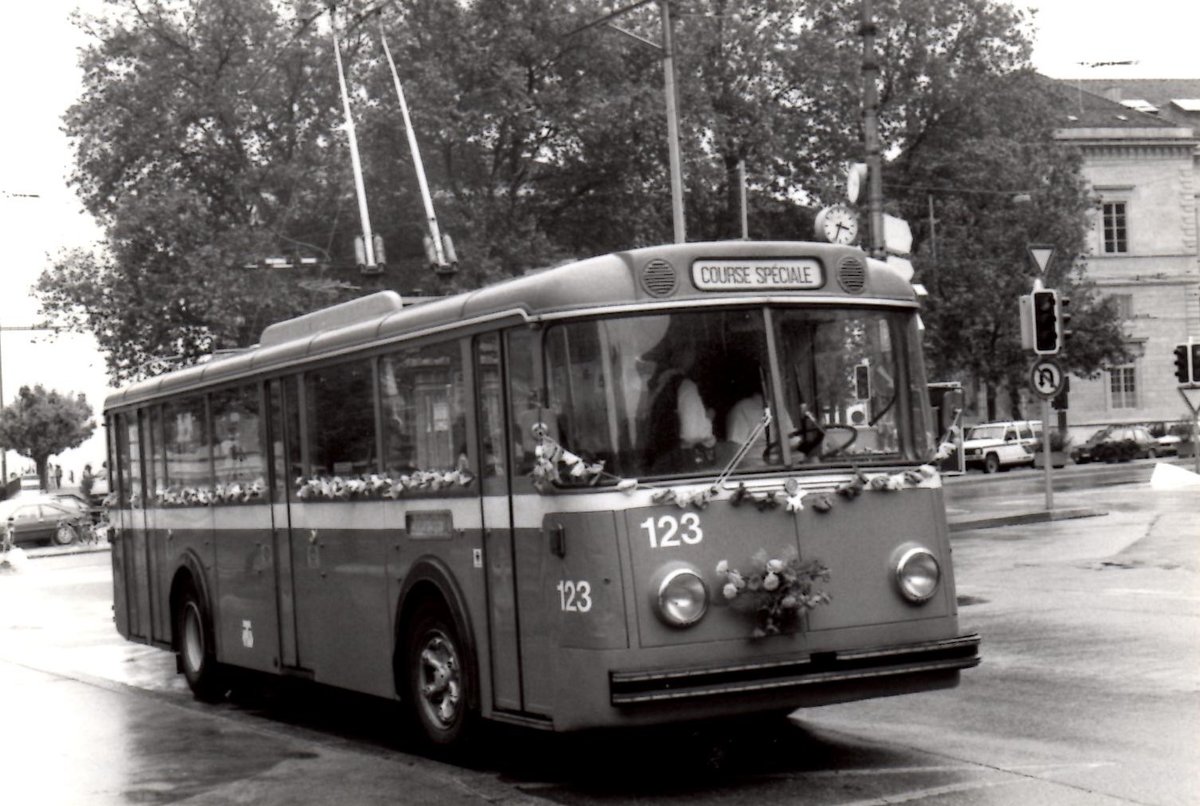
844 427
808 443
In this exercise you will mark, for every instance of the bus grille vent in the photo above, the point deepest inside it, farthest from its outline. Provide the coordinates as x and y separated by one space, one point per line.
852 275
659 278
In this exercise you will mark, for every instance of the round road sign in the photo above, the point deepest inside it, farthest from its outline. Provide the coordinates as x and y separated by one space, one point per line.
1046 378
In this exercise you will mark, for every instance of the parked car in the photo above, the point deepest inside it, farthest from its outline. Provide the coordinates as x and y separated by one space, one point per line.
1001 445
1168 444
1117 443
37 518
77 501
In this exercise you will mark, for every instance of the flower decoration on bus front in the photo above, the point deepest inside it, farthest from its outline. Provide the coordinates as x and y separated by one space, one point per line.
552 461
776 592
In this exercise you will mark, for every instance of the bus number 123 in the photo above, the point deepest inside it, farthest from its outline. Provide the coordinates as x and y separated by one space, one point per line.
575 597
669 530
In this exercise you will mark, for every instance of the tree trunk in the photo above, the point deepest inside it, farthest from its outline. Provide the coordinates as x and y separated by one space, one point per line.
990 391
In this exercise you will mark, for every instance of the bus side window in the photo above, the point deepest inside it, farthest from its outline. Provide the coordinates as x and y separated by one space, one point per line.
491 405
341 419
525 399
186 442
237 438
422 400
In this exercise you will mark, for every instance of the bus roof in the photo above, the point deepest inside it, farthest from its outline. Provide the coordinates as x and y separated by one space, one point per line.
674 274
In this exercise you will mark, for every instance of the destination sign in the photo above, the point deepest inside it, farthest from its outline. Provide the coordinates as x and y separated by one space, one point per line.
757 274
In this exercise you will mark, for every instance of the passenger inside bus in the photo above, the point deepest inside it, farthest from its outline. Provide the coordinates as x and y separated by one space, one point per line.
745 415
679 420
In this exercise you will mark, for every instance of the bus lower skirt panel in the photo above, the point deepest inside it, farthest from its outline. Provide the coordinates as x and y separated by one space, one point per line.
827 668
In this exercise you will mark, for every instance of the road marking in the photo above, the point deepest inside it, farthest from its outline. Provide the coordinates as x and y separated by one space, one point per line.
1023 773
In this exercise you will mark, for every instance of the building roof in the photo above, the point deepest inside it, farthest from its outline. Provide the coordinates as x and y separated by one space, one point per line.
1083 108
1175 99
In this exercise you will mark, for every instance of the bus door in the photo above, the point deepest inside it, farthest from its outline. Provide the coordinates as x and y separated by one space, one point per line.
497 528
153 474
518 618
135 541
283 433
244 528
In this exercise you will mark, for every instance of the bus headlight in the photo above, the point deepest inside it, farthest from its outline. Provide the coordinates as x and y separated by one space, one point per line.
917 574
682 598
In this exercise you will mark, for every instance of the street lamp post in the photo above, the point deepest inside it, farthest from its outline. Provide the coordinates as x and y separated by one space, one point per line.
667 50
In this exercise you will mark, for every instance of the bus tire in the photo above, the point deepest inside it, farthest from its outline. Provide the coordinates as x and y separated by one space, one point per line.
439 678
196 648
991 463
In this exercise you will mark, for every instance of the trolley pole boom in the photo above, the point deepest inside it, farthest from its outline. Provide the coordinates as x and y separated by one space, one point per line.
359 188
430 217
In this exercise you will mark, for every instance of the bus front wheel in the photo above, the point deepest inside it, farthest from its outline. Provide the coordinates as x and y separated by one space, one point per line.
439 679
197 658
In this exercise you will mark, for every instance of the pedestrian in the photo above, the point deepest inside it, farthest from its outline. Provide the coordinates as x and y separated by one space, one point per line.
58 477
85 482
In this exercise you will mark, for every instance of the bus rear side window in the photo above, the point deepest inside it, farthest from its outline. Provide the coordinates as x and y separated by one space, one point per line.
341 420
422 403
237 437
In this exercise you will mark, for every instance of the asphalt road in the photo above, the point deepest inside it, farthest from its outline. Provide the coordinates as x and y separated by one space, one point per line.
1089 693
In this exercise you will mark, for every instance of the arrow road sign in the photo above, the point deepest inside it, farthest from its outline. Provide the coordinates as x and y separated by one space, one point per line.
1046 378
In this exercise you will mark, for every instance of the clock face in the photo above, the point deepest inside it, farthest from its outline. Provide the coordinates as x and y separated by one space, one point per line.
837 224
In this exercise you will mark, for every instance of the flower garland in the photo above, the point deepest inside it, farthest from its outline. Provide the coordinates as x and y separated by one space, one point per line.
375 485
777 592
234 492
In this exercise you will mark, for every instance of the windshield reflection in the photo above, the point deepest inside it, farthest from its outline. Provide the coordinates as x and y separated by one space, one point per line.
681 393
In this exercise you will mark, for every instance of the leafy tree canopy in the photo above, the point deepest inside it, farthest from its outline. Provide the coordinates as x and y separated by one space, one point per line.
210 135
41 423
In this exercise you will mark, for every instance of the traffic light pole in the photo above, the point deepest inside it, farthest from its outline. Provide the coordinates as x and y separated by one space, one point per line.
1195 410
1048 464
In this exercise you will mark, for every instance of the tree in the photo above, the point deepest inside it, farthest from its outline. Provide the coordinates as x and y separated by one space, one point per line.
209 135
998 181
41 423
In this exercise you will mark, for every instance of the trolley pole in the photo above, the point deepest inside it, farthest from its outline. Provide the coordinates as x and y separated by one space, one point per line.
672 124
870 71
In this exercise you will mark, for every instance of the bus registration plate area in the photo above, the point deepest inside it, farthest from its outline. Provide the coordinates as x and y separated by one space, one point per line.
666 539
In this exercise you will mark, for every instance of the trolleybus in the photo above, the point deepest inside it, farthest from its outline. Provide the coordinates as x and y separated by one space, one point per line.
673 483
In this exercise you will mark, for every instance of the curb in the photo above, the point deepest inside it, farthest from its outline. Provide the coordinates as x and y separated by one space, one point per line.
1021 518
41 552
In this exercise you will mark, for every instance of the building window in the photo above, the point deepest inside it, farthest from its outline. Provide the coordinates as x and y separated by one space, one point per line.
1116 236
1124 303
1122 387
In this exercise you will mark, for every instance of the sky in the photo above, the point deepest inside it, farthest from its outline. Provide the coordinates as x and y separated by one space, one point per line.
40 215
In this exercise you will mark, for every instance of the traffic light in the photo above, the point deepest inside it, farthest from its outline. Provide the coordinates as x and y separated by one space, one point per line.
1045 322
1183 362
1064 319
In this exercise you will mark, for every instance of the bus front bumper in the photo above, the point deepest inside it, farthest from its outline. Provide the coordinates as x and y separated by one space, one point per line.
796 675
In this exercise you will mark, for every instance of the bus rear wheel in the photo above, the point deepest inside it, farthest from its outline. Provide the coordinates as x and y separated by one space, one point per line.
439 679
196 648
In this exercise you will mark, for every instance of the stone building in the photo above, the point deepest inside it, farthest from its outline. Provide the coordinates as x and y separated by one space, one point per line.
1141 146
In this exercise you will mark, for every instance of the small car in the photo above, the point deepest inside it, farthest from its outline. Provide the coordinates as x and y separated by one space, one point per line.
1001 445
1168 444
1117 443
39 518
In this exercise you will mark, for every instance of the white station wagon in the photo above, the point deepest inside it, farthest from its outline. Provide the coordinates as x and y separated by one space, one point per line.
999 446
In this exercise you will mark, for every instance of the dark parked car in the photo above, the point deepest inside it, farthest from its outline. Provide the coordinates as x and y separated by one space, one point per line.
36 518
1118 443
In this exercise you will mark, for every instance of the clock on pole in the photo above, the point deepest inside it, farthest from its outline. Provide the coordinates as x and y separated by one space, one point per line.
837 224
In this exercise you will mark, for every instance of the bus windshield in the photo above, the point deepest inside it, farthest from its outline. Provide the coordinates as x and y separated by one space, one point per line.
683 393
